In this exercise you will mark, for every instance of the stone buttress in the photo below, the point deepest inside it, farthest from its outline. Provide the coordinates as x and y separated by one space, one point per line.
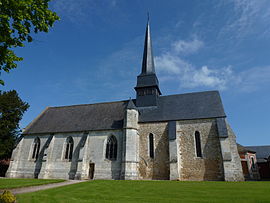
174 154
231 160
130 153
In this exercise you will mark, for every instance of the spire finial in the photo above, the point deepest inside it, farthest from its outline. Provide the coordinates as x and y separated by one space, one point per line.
148 16
131 104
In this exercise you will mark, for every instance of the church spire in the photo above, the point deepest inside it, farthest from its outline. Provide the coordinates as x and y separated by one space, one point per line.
148 66
147 82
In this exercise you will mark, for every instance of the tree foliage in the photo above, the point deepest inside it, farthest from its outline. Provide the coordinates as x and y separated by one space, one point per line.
11 112
19 19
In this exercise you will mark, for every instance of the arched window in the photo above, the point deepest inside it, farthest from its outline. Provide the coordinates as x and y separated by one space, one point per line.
198 144
69 148
151 145
253 163
36 148
111 148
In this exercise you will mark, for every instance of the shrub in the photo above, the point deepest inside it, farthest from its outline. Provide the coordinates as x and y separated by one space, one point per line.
7 197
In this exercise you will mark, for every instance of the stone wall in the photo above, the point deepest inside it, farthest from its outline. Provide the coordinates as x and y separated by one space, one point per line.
53 165
157 167
234 170
207 167
22 165
91 148
95 153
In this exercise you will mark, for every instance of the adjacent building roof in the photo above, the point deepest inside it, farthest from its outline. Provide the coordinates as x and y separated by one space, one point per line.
262 152
106 116
242 149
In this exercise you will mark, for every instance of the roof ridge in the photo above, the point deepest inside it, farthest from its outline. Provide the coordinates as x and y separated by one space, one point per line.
190 93
88 104
128 100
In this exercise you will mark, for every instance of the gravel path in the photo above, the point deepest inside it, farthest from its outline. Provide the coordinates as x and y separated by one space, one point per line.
43 187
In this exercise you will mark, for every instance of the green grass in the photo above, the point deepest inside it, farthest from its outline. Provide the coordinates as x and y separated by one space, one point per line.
9 183
153 192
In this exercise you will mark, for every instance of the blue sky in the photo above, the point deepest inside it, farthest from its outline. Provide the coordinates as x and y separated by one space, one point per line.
94 55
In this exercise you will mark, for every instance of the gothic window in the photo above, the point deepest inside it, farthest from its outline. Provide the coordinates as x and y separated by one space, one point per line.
198 144
69 148
36 148
111 148
151 145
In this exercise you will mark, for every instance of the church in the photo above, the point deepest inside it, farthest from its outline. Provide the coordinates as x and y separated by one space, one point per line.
152 137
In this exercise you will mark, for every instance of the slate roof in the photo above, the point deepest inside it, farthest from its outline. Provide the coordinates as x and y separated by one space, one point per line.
100 116
106 116
262 152
242 149
184 107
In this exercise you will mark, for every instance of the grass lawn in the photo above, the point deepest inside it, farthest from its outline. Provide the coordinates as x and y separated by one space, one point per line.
153 191
8 183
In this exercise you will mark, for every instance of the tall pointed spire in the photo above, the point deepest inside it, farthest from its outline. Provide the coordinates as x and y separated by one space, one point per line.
148 66
147 87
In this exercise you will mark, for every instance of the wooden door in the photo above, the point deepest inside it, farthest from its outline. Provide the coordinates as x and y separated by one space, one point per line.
91 170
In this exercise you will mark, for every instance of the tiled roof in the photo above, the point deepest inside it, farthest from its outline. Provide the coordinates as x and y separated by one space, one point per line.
262 152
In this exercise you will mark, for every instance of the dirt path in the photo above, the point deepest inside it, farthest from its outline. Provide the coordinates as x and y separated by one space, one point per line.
43 187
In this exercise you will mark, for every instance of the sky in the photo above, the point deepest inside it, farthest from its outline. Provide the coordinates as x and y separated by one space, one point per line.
94 53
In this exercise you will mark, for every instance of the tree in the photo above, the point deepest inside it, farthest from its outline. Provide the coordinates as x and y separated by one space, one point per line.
19 19
11 112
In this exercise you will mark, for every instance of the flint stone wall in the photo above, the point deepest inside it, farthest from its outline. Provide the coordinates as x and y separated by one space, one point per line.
156 168
234 170
210 165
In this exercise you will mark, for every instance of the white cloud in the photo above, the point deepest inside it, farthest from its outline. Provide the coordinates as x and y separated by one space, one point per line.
187 47
190 76
254 78
248 17
205 76
172 66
